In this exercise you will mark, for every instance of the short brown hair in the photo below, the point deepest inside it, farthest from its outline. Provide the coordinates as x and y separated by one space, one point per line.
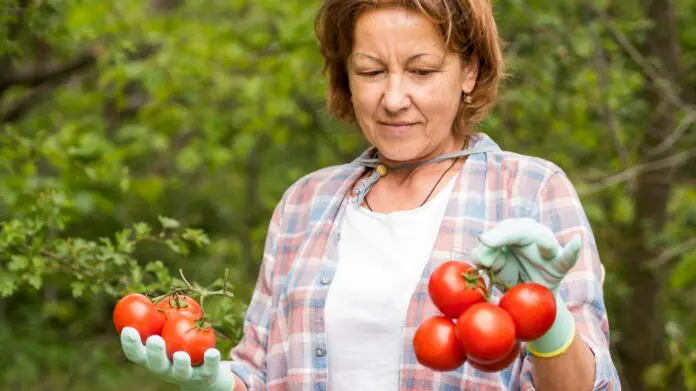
467 26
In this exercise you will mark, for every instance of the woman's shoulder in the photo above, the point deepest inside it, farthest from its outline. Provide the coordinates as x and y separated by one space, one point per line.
326 183
516 163
517 172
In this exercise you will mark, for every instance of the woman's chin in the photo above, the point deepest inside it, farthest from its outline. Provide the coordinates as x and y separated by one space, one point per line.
400 152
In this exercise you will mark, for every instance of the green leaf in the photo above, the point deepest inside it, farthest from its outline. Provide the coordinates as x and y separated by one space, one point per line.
119 259
142 230
35 280
18 262
78 287
168 223
684 272
123 241
8 284
197 236
125 182
189 159
656 375
177 246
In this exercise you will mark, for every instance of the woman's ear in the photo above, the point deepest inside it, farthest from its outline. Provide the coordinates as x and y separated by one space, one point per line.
469 74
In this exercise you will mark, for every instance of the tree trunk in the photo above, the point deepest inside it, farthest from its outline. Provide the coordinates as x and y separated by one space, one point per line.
642 326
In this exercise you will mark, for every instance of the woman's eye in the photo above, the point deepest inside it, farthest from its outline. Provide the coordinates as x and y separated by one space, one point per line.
423 72
370 73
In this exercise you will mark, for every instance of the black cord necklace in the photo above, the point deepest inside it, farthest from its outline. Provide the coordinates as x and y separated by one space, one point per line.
434 187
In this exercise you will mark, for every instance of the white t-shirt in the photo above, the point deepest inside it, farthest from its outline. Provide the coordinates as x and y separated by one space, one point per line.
381 258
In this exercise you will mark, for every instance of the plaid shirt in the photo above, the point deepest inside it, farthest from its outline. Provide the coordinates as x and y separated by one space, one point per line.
284 342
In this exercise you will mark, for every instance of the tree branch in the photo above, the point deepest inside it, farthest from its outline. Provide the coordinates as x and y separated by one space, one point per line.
634 171
44 81
675 135
663 83
59 71
602 64
670 253
18 108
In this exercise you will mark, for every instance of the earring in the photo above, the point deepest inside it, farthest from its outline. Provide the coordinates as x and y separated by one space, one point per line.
466 98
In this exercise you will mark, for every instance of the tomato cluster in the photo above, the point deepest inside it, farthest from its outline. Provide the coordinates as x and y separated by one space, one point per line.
473 329
177 318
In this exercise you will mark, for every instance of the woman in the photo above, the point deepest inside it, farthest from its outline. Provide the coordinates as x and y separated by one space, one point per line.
343 283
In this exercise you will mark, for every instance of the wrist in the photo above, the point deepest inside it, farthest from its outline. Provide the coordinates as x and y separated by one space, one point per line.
559 337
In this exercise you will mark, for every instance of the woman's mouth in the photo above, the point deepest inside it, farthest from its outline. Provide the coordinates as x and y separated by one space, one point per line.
397 128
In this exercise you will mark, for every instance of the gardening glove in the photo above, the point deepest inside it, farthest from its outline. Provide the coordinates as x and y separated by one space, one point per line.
523 250
209 376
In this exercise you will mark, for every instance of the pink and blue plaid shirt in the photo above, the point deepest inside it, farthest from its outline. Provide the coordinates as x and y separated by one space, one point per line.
284 341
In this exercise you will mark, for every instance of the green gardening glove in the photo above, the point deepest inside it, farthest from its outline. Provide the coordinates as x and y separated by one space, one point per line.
523 250
209 376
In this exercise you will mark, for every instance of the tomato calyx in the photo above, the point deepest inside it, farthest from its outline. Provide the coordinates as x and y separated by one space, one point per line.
473 280
177 299
493 281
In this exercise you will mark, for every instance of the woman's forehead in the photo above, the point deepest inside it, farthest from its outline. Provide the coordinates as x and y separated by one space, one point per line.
410 32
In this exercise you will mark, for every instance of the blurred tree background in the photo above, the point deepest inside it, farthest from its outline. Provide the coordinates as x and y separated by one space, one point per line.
142 137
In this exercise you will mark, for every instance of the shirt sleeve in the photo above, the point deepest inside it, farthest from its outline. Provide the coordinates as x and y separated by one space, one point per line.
560 209
249 356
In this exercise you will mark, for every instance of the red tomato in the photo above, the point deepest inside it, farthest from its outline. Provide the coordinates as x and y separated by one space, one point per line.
137 311
486 332
455 286
181 304
532 307
498 365
436 345
183 334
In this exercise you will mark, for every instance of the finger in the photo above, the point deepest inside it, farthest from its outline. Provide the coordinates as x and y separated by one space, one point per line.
508 233
211 363
522 232
546 242
484 255
157 359
571 253
181 369
510 274
132 346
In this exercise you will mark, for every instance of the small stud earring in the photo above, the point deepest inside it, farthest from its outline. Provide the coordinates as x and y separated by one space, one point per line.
466 98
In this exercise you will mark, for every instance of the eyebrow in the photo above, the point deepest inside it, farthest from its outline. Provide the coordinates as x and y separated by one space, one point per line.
373 58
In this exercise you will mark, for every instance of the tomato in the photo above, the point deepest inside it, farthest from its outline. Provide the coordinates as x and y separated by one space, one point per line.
455 286
500 364
486 332
532 307
138 311
184 334
436 345
180 304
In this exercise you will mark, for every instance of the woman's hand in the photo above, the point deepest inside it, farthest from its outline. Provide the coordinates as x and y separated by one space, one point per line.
523 250
209 376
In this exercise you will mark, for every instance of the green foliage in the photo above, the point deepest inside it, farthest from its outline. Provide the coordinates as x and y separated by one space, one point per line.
140 138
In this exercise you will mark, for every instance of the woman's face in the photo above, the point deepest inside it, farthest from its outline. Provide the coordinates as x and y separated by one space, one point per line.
405 85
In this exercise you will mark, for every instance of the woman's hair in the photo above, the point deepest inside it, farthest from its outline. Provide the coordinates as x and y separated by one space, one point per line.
467 26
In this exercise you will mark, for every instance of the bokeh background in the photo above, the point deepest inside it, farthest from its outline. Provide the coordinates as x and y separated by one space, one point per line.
140 137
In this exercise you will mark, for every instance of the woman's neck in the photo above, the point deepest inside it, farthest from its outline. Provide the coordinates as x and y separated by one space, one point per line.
405 189
401 176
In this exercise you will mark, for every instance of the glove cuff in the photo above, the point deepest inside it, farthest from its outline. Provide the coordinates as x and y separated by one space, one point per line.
559 337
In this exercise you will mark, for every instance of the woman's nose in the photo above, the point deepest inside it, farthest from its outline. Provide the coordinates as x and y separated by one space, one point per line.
396 97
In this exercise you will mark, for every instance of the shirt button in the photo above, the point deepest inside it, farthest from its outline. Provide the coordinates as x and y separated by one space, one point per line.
325 280
319 352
